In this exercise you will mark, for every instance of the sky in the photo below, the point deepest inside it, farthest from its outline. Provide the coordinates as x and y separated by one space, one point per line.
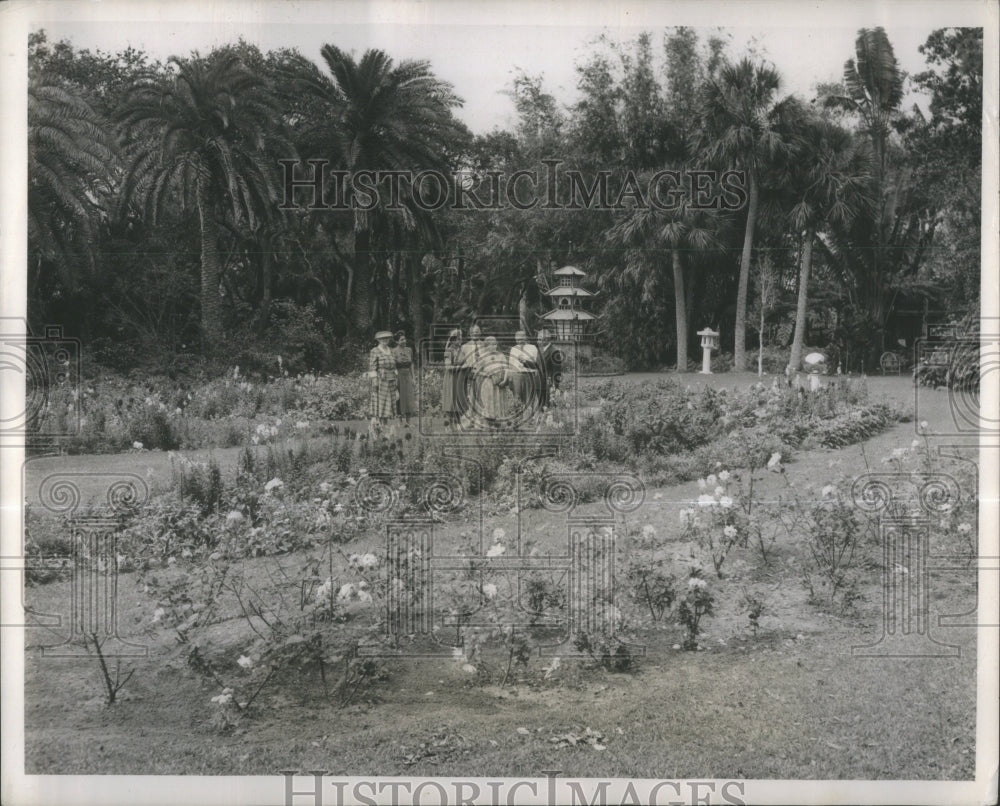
478 46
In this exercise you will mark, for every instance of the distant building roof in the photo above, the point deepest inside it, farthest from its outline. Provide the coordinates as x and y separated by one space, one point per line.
569 270
567 314
568 291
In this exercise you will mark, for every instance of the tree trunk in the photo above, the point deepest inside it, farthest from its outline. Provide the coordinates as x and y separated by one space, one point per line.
739 348
691 279
211 305
265 302
394 290
361 291
798 340
414 282
680 313
522 310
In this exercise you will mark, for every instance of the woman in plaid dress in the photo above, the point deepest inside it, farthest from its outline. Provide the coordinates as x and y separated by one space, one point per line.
384 381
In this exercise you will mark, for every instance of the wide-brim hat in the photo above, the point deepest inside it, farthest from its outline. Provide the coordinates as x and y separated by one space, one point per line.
383 334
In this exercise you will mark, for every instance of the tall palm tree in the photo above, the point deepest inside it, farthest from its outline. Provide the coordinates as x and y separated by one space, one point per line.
200 139
740 132
830 173
382 116
71 153
874 91
680 231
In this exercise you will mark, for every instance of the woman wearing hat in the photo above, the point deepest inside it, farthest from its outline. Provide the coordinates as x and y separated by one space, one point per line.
384 381
449 383
404 370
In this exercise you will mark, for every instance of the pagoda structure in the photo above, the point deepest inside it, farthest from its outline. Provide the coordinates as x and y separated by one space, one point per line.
569 320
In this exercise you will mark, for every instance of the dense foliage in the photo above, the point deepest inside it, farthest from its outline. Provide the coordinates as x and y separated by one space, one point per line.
155 222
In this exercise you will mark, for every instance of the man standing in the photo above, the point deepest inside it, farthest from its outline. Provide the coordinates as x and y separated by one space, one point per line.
551 366
525 371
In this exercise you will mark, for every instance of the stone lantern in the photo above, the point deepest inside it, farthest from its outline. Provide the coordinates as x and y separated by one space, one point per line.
709 342
815 366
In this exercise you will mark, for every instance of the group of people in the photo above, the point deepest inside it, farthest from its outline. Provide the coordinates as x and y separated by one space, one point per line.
481 384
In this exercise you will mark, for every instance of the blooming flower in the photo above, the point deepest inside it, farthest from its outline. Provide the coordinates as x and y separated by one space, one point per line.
702 484
923 425
235 516
696 583
964 528
323 591
724 476
224 698
499 535
774 463
730 531
711 480
245 662
649 532
829 490
719 491
137 446
726 501
158 614
489 590
273 484
495 550
324 486
706 501
346 592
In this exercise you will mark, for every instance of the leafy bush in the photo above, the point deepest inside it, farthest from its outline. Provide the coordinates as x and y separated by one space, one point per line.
854 426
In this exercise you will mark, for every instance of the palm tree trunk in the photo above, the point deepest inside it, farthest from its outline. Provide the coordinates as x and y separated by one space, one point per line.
739 348
680 313
394 289
211 306
416 299
795 361
361 291
522 309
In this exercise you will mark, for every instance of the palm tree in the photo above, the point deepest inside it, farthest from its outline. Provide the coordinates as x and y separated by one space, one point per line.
382 116
831 174
740 132
199 139
71 154
874 90
679 231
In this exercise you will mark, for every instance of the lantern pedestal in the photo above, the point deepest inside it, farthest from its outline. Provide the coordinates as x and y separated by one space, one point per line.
709 342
